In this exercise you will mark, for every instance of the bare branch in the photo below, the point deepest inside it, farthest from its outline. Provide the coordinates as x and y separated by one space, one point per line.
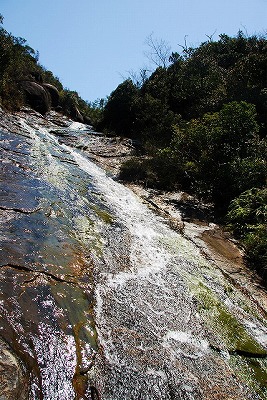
210 37
184 47
245 29
159 51
139 78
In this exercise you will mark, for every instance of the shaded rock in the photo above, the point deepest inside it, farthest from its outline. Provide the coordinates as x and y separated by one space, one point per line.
76 115
37 97
53 92
36 76
87 120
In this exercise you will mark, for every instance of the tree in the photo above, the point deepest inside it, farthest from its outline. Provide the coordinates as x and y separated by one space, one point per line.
159 52
119 112
153 121
220 153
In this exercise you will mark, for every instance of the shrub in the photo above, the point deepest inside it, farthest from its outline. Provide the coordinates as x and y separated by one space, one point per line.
247 218
133 170
256 249
247 211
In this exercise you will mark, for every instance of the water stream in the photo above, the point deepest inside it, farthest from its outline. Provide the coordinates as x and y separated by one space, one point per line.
164 319
102 299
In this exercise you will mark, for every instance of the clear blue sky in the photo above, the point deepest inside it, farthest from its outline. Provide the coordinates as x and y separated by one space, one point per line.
91 45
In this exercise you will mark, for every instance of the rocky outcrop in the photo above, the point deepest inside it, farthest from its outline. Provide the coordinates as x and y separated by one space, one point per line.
40 96
36 96
14 379
53 92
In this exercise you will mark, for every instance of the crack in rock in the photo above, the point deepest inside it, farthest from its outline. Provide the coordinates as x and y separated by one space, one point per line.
20 210
242 353
27 269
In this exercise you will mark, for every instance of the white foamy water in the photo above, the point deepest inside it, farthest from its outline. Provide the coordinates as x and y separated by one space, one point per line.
57 362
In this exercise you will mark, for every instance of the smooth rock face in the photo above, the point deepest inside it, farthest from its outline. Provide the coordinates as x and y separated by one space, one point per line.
52 90
99 298
45 267
38 98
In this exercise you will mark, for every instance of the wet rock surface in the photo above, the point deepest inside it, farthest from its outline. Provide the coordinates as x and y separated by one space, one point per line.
186 214
46 271
14 380
105 297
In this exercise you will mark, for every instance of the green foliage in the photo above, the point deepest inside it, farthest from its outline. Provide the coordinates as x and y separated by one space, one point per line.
220 72
219 153
198 81
16 60
94 111
119 112
247 218
157 86
248 210
153 172
134 170
68 100
256 244
154 120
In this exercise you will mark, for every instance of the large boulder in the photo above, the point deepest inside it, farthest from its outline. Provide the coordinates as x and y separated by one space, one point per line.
53 92
41 96
37 96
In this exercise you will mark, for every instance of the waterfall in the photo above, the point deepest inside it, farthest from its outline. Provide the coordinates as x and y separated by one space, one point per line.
149 295
102 299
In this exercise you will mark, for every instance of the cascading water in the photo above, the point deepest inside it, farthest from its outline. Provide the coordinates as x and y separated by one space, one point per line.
152 293
97 287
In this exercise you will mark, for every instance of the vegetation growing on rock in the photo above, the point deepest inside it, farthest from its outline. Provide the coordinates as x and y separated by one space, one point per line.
24 81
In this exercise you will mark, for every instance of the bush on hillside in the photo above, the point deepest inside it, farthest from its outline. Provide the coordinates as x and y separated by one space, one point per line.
247 218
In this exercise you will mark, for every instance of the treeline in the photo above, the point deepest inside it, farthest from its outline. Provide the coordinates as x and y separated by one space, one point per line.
201 122
19 63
